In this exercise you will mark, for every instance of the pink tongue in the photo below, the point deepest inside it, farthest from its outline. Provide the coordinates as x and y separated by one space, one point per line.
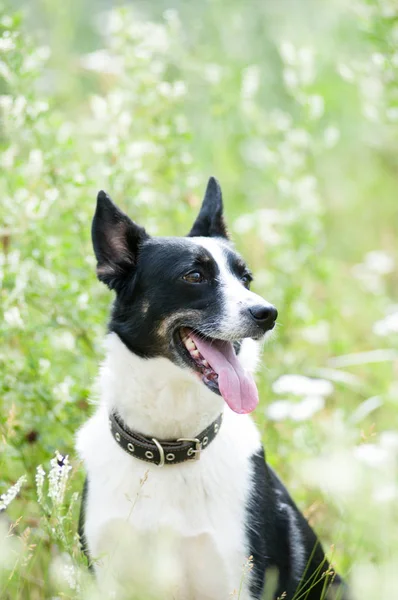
236 385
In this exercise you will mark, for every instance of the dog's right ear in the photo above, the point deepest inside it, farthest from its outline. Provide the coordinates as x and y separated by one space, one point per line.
116 242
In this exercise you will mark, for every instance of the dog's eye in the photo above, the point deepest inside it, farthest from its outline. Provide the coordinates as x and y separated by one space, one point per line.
246 279
194 277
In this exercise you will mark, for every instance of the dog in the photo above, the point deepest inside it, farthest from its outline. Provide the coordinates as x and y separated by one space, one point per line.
179 502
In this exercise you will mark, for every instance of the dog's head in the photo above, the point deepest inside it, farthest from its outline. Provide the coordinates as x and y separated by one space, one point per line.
187 299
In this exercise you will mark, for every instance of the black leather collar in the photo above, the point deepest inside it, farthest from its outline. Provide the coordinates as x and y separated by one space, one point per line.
162 452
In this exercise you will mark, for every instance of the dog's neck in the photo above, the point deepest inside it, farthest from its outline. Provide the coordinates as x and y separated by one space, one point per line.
153 396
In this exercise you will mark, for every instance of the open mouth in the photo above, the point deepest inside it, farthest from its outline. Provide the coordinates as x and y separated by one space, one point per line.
219 368
208 374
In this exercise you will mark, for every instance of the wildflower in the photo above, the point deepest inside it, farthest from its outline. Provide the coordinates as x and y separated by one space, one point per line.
372 455
6 44
12 316
316 106
8 497
316 334
250 82
387 325
44 365
58 478
379 262
64 340
299 385
101 61
213 73
297 411
39 477
62 390
331 136
288 52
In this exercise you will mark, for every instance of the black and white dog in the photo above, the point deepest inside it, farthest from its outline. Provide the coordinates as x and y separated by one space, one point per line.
178 499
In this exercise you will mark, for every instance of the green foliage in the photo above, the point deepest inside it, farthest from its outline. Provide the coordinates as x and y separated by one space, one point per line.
297 115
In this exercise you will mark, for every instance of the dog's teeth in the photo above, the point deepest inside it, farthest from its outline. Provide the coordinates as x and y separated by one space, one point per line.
205 363
195 353
190 344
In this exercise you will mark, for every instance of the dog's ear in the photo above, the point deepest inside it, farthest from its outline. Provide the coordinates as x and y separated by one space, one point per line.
116 241
210 221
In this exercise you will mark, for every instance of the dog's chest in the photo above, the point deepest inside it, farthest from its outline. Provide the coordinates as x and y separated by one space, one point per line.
188 520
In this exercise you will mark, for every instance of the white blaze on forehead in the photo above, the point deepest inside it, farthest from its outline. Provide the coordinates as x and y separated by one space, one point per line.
237 297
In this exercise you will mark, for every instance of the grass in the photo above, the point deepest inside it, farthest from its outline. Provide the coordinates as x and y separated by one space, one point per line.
295 111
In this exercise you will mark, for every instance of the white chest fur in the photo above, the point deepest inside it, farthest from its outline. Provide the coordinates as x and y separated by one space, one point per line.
179 530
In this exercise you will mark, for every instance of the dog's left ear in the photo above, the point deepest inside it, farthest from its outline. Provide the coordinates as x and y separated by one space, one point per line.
210 221
116 241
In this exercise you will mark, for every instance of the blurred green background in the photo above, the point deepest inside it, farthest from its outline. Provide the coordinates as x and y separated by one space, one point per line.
293 106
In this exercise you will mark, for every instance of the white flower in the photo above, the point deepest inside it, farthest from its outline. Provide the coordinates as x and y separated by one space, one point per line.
13 491
387 326
316 334
298 138
82 300
373 455
6 44
44 365
35 163
316 105
250 82
179 89
244 223
290 78
376 264
281 120
389 441
62 390
379 262
387 492
213 73
165 89
99 107
6 102
171 16
345 72
6 21
307 407
65 571
299 385
58 478
288 52
64 340
256 152
378 59
101 61
279 410
392 114
12 316
297 411
331 136
51 195
4 70
40 477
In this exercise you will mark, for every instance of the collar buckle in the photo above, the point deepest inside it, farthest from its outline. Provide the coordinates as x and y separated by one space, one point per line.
161 452
198 447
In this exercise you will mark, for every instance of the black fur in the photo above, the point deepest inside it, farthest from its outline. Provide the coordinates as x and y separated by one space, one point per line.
116 240
82 519
210 221
280 539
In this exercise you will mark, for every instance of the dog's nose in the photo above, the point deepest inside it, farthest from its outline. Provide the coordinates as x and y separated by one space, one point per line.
264 315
